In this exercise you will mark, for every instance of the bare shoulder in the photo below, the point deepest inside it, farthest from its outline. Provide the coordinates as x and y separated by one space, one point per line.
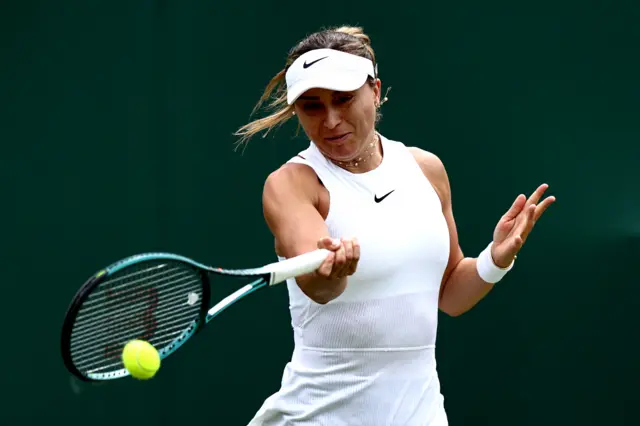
293 207
428 161
290 176
434 169
292 181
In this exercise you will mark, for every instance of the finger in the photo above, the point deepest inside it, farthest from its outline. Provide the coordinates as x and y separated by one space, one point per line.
326 267
531 216
530 222
542 207
339 263
353 267
356 249
537 194
515 208
321 243
329 243
355 257
526 220
348 249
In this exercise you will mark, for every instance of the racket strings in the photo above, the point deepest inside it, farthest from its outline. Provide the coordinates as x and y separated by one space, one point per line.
111 289
152 301
89 359
86 317
168 315
118 364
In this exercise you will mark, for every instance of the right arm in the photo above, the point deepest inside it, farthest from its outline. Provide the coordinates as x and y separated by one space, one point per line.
290 203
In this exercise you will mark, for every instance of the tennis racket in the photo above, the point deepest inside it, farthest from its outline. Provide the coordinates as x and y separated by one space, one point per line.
162 298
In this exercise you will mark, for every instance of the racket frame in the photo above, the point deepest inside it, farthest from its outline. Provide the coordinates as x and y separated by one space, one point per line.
265 276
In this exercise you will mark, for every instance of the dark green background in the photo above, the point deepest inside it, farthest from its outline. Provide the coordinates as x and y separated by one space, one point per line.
116 134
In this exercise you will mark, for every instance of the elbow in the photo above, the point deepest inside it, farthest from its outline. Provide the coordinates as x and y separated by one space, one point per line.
451 306
321 292
319 297
321 300
452 311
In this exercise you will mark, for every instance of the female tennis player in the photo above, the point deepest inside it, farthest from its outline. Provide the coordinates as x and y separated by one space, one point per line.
365 322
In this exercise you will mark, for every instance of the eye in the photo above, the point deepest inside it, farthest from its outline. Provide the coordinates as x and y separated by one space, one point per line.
343 99
312 106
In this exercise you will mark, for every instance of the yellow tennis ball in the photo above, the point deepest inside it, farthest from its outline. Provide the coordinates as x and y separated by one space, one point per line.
141 359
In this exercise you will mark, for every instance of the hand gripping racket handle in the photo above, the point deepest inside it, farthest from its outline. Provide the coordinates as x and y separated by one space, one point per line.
295 266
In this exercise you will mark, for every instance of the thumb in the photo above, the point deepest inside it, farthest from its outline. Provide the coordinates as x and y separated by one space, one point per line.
329 243
503 253
517 243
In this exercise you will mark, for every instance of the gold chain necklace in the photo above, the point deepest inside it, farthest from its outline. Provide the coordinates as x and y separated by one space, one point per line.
370 151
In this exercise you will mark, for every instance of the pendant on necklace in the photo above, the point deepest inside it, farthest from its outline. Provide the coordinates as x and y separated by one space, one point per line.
356 162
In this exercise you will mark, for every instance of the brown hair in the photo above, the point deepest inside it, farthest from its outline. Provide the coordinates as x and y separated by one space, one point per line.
347 39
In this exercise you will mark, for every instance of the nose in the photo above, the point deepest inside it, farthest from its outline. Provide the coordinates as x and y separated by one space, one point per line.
332 118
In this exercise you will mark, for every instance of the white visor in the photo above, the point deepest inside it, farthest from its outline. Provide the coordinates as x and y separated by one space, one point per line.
327 69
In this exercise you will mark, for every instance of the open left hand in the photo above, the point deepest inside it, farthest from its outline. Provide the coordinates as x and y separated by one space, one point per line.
516 224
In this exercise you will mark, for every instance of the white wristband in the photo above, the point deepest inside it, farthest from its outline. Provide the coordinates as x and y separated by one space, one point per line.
488 270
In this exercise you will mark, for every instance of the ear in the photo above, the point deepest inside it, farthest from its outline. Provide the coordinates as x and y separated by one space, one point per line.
377 90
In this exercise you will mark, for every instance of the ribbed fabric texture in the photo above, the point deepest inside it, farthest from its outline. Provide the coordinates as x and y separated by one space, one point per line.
368 357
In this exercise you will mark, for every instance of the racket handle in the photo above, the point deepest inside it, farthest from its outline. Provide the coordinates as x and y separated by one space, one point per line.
296 266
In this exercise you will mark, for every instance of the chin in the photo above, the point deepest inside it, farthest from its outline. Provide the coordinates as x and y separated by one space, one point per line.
342 152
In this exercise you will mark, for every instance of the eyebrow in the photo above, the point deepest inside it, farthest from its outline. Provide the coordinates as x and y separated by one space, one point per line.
315 98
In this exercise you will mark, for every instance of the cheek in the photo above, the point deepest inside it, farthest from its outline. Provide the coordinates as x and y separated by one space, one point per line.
365 114
310 124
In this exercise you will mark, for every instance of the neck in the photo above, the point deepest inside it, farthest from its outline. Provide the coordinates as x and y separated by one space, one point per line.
367 160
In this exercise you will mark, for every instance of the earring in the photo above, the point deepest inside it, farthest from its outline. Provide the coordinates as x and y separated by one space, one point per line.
385 99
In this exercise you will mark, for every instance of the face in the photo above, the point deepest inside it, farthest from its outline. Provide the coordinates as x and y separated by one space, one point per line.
341 124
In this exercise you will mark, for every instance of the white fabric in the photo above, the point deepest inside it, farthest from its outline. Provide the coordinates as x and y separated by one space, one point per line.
489 271
368 357
327 69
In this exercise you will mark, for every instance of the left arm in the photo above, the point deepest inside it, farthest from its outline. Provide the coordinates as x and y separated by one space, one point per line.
462 287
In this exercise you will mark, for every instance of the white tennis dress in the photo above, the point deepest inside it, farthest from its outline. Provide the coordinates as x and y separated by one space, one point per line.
368 357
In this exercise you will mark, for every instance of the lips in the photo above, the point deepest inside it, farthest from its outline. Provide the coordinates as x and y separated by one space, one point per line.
338 138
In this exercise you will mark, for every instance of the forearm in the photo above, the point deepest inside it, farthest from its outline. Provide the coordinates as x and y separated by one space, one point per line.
321 290
469 282
463 288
